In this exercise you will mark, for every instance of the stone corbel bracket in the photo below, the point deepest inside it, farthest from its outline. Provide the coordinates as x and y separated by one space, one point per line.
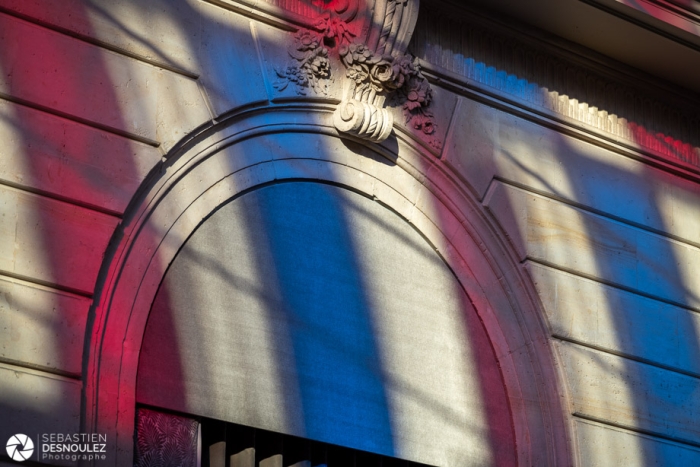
378 70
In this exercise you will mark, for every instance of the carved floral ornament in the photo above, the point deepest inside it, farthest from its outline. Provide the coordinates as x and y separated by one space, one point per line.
377 69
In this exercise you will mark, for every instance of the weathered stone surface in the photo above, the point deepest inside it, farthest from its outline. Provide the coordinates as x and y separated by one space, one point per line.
41 326
324 304
228 59
444 401
154 32
45 68
35 402
473 144
58 156
52 241
550 231
599 315
487 142
631 394
607 446
194 37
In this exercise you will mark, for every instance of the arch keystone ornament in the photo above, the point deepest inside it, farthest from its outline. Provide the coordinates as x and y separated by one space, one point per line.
378 71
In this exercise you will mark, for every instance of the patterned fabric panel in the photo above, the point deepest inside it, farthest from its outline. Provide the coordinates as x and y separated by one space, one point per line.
165 440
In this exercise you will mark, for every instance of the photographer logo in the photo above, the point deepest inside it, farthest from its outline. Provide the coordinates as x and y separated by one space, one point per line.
20 447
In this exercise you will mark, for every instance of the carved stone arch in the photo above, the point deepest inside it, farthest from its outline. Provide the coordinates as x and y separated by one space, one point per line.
211 168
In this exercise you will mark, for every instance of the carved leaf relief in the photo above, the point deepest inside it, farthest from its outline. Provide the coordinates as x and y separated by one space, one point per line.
376 70
165 440
313 66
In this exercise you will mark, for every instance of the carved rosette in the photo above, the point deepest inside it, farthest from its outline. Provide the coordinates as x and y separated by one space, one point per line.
312 67
378 70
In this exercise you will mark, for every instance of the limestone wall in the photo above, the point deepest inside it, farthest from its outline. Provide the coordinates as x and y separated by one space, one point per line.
595 209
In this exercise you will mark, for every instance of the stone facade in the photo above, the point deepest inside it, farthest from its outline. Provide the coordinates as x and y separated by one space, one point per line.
426 232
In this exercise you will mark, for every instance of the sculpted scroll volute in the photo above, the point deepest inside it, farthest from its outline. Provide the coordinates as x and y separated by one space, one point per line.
370 39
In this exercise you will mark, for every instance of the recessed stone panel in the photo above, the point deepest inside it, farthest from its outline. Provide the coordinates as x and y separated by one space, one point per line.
311 310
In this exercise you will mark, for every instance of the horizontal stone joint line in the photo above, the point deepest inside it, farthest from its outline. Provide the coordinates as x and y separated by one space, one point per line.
641 431
594 211
286 22
60 198
627 356
609 283
83 121
51 285
41 368
100 43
